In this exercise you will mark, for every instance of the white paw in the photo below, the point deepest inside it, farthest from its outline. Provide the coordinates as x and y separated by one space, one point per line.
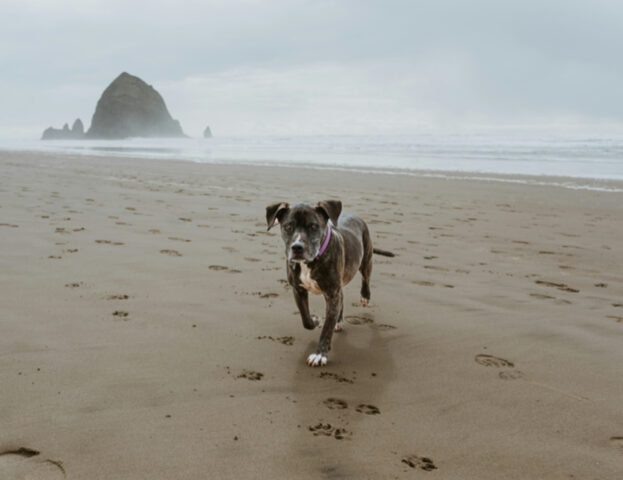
364 302
317 321
339 326
316 360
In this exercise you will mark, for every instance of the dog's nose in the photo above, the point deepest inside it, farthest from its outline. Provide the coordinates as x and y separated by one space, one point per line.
297 248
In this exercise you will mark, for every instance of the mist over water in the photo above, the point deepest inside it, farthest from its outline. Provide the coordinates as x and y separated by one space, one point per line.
580 157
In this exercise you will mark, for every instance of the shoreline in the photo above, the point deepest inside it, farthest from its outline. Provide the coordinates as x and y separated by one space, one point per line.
567 182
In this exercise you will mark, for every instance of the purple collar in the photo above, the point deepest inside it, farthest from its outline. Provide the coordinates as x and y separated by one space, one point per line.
325 244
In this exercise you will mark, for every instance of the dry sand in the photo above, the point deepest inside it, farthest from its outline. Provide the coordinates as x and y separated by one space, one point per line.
147 332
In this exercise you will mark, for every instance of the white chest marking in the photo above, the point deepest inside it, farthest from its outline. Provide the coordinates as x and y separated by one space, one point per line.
309 283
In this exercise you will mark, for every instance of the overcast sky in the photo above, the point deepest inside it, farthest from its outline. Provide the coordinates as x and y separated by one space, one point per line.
319 67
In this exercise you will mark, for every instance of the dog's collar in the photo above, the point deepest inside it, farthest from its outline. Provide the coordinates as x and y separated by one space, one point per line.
325 244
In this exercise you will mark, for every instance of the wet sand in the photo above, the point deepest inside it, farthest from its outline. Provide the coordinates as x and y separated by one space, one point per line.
148 331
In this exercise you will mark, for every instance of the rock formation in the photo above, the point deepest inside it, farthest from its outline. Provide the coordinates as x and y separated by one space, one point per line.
131 108
207 133
77 128
76 132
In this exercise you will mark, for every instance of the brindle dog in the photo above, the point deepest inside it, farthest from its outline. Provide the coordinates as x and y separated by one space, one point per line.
324 250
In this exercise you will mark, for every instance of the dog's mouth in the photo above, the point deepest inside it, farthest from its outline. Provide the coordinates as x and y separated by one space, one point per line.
298 258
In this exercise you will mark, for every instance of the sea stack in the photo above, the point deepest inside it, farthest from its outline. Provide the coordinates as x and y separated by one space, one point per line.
207 133
77 129
76 132
131 108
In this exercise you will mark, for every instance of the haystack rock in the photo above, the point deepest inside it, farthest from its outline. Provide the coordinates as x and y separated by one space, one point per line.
131 108
76 132
207 133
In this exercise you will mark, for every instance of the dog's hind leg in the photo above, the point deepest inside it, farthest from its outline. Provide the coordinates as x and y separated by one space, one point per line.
366 267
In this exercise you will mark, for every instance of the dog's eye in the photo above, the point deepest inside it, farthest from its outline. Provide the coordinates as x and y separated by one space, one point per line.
313 227
288 227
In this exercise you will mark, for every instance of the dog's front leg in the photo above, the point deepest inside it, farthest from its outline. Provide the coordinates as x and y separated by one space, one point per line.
334 302
301 297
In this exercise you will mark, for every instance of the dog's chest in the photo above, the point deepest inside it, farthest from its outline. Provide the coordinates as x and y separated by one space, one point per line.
307 281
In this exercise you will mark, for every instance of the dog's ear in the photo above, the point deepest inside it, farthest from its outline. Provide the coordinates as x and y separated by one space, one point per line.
274 212
330 209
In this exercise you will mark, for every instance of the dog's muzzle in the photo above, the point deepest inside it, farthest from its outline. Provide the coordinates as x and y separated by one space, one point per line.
297 252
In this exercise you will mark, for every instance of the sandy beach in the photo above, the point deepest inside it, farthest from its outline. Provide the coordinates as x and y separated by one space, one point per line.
148 331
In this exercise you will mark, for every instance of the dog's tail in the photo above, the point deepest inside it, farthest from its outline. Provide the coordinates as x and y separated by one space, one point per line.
385 253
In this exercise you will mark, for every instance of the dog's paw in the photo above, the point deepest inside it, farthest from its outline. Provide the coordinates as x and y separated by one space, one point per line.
317 320
316 360
338 326
364 302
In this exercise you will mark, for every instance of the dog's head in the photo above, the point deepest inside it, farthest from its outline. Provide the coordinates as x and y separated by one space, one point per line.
303 226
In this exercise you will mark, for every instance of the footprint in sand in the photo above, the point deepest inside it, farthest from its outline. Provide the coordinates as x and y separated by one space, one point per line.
359 320
383 327
368 409
335 404
287 340
540 296
328 430
251 375
268 295
616 318
511 375
74 284
251 259
120 314
420 463
617 442
434 267
178 239
117 297
25 463
491 361
559 286
109 242
336 377
218 267
172 253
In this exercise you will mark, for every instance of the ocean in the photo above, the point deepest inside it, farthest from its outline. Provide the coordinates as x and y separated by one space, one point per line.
587 162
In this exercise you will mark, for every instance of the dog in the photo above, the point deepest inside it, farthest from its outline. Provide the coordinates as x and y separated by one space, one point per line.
324 251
